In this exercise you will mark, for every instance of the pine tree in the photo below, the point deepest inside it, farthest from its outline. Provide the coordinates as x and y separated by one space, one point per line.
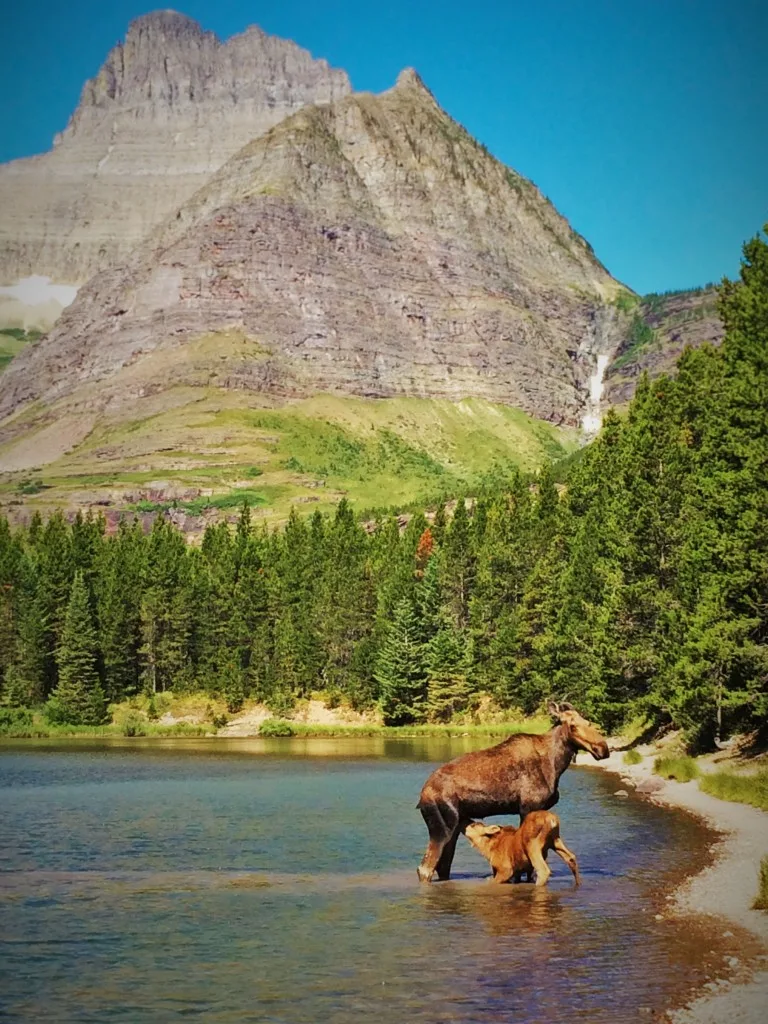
118 567
78 698
459 564
448 690
400 669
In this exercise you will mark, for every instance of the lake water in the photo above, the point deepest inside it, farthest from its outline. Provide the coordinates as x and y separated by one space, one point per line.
247 880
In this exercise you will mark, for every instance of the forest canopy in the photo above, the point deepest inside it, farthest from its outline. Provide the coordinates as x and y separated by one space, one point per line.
641 587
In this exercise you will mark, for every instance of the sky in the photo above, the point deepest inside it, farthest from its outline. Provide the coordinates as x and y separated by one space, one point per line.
644 121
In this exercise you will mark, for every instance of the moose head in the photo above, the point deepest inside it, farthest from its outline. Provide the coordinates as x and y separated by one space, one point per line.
580 733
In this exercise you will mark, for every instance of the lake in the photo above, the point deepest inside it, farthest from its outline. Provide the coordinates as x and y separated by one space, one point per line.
275 880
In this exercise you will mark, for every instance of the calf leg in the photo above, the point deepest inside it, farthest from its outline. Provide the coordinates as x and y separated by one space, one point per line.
568 856
442 822
539 863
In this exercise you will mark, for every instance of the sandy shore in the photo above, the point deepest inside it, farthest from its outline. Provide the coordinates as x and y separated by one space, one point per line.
725 890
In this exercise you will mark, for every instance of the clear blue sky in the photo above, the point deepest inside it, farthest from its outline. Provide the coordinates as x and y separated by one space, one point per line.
644 121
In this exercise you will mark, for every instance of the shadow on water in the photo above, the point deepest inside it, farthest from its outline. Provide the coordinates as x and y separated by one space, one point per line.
278 884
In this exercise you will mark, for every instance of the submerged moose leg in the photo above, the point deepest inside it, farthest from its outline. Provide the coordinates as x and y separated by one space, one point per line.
446 857
568 856
443 825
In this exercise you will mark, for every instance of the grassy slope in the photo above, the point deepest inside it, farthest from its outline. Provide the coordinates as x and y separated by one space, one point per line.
223 444
12 341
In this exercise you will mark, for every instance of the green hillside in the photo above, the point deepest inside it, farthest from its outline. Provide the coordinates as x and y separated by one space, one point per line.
196 448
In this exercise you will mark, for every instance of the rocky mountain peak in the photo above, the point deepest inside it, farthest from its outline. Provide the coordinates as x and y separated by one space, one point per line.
409 78
168 107
367 247
166 23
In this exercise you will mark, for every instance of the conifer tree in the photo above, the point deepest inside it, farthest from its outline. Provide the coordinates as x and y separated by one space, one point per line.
448 689
400 669
78 698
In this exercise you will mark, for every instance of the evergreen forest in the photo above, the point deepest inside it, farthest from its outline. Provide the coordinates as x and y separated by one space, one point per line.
639 586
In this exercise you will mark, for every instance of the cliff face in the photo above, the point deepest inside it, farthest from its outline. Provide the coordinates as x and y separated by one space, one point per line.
662 326
368 247
169 106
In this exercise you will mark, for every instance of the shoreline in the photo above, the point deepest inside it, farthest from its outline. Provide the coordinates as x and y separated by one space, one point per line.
723 890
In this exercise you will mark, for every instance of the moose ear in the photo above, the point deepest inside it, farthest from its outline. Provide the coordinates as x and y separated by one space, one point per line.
566 707
554 710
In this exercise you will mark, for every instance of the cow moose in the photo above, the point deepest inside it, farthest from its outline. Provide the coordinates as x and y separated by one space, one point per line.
514 852
517 776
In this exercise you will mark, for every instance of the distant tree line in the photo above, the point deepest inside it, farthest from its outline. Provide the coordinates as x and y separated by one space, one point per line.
641 589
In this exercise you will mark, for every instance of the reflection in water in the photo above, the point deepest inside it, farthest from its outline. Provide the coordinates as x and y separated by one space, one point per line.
263 883
515 911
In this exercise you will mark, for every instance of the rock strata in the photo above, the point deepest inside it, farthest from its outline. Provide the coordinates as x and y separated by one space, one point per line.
369 247
169 106
674 322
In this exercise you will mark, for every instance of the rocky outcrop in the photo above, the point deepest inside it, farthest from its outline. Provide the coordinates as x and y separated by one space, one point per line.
655 336
368 247
169 106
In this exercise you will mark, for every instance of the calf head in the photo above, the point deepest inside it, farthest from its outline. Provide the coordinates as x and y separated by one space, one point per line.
581 734
482 836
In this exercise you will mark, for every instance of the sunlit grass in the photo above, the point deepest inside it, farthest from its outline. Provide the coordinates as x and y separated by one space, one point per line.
743 789
761 900
283 727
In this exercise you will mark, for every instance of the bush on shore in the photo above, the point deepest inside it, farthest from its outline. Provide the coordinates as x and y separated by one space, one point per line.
682 769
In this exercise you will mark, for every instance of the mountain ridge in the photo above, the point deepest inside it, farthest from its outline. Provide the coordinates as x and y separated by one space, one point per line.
365 243
169 105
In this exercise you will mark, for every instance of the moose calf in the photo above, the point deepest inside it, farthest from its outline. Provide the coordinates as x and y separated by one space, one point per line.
514 852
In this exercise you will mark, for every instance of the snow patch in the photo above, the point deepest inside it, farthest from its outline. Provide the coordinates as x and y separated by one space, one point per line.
37 290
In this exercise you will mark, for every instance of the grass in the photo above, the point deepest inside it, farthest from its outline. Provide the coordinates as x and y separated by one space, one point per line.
136 717
281 727
761 900
12 341
632 757
683 769
743 789
380 453
25 723
39 728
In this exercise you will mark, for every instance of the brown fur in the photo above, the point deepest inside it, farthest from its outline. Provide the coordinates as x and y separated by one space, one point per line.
514 852
517 776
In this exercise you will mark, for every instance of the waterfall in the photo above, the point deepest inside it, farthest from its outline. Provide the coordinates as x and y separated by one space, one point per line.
591 420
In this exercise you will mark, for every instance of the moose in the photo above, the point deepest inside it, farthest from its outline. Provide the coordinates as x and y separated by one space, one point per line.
514 852
517 776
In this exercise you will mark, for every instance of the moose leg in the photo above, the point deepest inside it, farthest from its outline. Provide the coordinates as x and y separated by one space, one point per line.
568 856
446 857
443 825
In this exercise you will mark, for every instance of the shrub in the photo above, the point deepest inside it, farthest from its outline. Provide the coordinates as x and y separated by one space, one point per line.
276 727
683 769
632 757
14 719
134 725
761 900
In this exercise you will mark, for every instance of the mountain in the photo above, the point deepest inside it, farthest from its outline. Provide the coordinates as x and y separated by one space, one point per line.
660 328
362 247
169 106
368 247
